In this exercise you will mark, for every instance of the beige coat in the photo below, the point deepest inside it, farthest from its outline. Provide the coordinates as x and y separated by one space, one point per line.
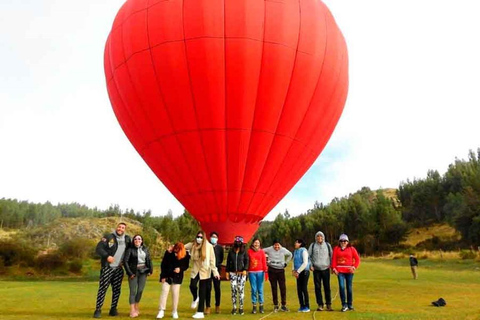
204 268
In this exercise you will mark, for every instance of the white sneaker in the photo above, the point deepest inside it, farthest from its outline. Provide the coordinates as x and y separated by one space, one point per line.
175 315
194 303
160 314
198 315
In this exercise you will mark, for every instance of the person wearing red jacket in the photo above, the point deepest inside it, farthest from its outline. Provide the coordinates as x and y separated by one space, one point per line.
257 272
345 260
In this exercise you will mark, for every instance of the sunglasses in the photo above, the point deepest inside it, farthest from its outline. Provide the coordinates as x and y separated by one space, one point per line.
199 237
343 241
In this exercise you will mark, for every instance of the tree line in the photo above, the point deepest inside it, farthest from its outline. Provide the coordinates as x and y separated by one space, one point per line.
374 219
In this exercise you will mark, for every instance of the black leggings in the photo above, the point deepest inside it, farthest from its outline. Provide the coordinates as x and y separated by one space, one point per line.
202 291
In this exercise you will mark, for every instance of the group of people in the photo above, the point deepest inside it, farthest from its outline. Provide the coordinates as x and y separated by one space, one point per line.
118 251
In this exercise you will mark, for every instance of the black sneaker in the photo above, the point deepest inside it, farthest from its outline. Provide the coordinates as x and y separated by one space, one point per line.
329 307
275 309
234 311
113 312
97 313
351 308
260 308
240 311
254 310
284 308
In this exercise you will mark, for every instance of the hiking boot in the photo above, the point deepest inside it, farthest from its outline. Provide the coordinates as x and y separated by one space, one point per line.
275 309
217 309
254 310
113 312
207 310
97 313
329 307
260 308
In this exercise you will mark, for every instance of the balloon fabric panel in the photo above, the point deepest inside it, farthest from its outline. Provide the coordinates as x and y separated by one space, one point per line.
229 102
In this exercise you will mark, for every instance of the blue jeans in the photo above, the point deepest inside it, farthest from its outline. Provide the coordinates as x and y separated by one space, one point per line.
256 282
348 279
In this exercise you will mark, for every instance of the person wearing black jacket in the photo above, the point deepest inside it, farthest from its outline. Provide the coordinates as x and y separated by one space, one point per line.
175 262
138 266
219 252
111 249
237 265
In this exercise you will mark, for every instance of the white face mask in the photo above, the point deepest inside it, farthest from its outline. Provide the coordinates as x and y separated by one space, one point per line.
213 240
199 240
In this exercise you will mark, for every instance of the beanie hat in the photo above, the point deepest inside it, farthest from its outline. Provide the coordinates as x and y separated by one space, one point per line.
343 236
320 233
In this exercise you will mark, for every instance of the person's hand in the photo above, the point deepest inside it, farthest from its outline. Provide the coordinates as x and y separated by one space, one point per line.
218 277
266 276
110 259
162 280
227 276
335 271
353 269
311 268
132 276
148 275
295 274
176 270
244 273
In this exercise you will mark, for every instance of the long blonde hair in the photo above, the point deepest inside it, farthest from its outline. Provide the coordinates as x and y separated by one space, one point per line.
202 248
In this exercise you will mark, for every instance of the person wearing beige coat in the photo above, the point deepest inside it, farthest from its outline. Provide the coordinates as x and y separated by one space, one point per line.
203 257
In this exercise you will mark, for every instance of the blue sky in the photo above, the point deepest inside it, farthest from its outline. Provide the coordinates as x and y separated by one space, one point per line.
413 104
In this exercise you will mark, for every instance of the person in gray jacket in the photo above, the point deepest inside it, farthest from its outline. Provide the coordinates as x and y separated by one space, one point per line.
320 254
277 259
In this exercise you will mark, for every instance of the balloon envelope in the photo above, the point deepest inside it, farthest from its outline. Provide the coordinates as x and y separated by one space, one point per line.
228 101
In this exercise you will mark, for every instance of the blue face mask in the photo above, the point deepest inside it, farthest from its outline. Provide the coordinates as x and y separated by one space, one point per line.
213 240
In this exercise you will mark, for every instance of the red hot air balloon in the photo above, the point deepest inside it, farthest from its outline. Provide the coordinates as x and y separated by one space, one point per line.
228 101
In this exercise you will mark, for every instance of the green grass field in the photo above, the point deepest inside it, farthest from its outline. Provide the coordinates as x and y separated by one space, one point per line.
383 289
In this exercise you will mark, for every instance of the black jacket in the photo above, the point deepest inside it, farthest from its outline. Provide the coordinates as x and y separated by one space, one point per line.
108 246
130 260
218 249
237 261
169 263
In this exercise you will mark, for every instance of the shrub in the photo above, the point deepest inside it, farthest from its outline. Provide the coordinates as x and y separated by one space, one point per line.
467 254
50 261
75 266
77 248
14 252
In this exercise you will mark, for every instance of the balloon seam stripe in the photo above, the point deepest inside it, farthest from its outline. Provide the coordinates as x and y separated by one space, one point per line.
283 105
305 115
159 87
194 102
256 101
225 105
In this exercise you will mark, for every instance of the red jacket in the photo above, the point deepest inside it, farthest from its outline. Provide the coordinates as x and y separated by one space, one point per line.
258 262
344 260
